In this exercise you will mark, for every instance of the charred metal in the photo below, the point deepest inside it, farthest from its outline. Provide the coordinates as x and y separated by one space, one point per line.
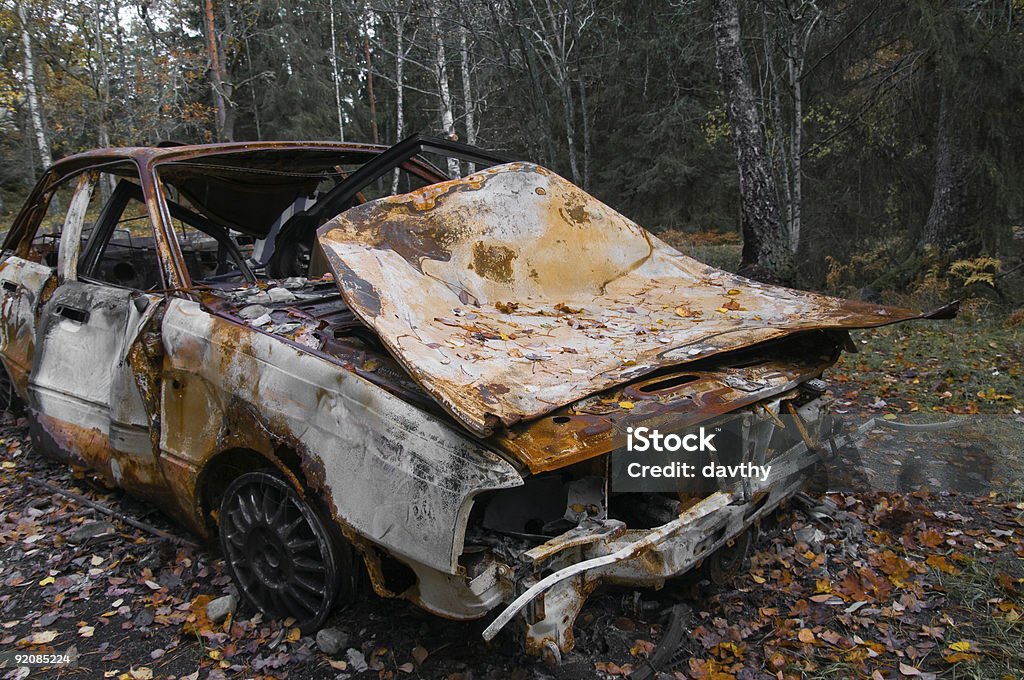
349 366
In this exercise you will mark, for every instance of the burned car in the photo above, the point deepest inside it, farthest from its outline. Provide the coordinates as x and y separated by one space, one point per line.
348 366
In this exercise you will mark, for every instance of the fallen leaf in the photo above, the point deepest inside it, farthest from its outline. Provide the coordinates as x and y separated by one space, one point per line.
939 562
42 638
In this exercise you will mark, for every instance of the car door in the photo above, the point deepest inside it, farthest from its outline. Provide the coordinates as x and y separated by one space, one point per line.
22 283
84 395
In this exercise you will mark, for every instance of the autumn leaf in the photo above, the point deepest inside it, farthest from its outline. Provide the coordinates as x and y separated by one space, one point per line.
42 638
939 562
642 648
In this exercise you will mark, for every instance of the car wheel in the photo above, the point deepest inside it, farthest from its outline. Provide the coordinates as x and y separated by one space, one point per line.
287 559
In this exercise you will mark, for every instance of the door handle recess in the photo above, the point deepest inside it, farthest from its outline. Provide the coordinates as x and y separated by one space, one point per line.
72 313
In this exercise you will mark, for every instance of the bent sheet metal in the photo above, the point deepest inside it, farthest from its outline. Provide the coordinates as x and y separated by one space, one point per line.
511 292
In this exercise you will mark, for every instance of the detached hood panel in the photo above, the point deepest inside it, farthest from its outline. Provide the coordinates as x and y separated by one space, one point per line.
511 292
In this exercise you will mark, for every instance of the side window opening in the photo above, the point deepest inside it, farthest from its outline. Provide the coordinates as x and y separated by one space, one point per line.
119 248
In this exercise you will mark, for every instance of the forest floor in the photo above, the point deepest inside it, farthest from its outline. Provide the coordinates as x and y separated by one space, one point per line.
911 565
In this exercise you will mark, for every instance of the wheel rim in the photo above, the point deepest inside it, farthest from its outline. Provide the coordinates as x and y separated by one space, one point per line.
278 549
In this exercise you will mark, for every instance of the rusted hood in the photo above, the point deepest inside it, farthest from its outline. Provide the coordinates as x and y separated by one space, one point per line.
512 292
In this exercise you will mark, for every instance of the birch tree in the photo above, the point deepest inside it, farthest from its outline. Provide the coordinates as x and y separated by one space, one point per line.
765 242
468 104
335 74
31 90
557 32
443 90
399 87
791 25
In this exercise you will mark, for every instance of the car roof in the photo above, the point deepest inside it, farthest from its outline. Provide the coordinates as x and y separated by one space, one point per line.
149 155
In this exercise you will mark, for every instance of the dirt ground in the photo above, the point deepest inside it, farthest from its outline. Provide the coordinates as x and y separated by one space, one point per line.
910 566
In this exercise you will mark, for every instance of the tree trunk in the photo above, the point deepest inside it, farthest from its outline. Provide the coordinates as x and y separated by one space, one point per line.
569 111
103 97
948 212
796 67
585 114
765 243
334 75
34 106
444 94
399 89
369 88
225 118
467 92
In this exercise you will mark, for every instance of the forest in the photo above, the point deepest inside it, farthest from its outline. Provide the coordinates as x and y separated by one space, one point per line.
869 149
881 140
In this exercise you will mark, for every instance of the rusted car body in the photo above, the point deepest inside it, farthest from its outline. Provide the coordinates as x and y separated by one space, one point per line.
428 385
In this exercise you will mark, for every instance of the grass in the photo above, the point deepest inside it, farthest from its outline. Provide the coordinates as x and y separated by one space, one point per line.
970 595
970 364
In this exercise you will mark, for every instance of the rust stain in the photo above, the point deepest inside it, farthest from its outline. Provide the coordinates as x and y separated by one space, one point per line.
493 261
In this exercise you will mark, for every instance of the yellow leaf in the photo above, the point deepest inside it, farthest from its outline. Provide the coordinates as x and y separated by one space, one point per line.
215 654
141 673
45 637
46 581
961 646
757 579
86 631
733 291
939 562
626 404
8 465
293 635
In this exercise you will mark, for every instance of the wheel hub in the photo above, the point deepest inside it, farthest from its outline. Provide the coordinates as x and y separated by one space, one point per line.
269 556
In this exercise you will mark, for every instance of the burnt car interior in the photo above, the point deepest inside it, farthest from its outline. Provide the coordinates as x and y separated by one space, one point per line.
270 202
262 208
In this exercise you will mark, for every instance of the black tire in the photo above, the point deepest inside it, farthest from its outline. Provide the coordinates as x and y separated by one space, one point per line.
286 557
